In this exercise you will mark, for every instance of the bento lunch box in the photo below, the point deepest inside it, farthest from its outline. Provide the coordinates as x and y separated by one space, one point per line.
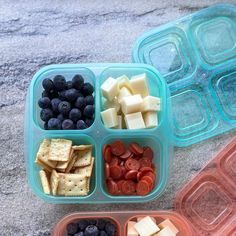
205 206
197 57
97 134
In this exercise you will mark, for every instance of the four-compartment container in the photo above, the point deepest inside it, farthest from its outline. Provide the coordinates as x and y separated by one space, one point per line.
197 57
97 134
205 206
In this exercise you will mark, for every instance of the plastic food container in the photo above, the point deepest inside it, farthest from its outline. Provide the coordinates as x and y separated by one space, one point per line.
97 134
205 206
197 57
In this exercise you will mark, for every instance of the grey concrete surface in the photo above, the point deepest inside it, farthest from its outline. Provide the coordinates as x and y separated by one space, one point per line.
37 33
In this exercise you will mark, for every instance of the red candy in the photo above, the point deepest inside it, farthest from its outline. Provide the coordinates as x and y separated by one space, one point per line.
129 171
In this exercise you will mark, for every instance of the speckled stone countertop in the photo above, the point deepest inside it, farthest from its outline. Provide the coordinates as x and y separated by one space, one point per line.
38 33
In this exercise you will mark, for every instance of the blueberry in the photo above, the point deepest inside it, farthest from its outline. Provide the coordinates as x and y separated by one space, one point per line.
110 229
68 124
81 124
87 89
72 228
45 125
78 81
92 222
103 233
62 95
61 117
64 107
91 230
46 114
45 94
55 102
59 82
69 85
50 94
71 94
82 224
48 84
75 114
81 233
80 103
88 121
89 100
54 123
101 224
44 102
88 111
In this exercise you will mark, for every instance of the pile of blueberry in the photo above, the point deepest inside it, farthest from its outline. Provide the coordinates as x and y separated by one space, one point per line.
92 227
67 104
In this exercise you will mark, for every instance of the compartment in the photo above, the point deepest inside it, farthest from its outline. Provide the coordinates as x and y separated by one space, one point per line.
208 200
159 160
169 52
192 113
155 85
216 39
50 73
224 88
34 168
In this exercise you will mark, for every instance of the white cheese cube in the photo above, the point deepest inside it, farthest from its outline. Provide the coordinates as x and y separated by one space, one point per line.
110 88
166 232
120 122
139 85
123 81
141 217
134 121
150 119
124 92
131 104
131 231
168 223
151 103
112 104
146 227
109 117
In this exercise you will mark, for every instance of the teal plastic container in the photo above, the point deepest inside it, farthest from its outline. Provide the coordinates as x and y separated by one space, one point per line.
157 138
197 57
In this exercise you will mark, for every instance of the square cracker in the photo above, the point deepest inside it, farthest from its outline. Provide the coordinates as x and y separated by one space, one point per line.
61 185
84 158
42 164
74 158
86 170
82 147
60 150
54 181
62 165
43 153
44 182
75 185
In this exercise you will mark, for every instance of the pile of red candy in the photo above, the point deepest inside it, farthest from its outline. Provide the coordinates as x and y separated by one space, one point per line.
129 171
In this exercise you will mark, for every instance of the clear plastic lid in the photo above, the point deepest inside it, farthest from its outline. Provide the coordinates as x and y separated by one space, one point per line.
208 201
197 57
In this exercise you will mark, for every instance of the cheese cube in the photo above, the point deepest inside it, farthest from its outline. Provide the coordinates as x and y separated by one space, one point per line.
139 85
134 121
120 122
146 227
141 217
150 119
110 88
168 223
112 104
166 232
124 92
131 104
109 117
151 103
131 231
123 81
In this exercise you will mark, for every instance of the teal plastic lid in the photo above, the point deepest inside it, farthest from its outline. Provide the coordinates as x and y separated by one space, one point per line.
197 57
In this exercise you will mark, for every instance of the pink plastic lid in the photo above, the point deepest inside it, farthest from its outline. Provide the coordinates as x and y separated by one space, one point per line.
208 201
